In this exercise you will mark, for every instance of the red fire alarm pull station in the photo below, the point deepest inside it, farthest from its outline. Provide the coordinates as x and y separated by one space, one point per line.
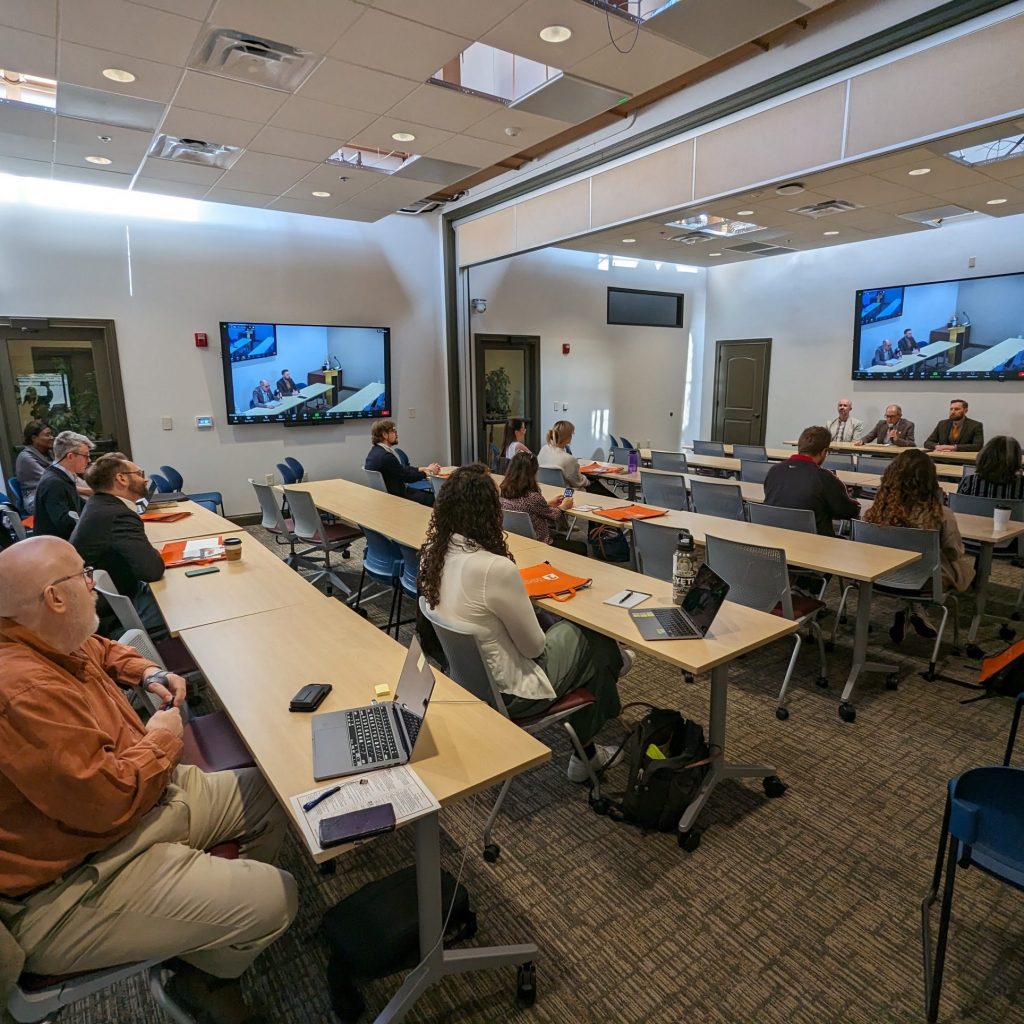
200 339
565 349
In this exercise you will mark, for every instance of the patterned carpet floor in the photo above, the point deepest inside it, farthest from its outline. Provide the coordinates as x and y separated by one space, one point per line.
798 910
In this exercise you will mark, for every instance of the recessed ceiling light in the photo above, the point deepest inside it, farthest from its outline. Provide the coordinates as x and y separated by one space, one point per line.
629 241
98 160
744 213
118 75
830 232
555 34
104 138
995 202
321 195
403 137
919 171
714 254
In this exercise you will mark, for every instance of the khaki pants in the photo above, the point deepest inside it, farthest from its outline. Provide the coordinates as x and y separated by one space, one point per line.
156 894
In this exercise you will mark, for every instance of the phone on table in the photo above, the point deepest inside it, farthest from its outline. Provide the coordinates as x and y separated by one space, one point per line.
362 824
203 571
310 697
567 493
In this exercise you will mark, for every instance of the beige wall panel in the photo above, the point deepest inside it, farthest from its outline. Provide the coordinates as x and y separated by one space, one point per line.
965 80
557 214
641 187
487 237
784 140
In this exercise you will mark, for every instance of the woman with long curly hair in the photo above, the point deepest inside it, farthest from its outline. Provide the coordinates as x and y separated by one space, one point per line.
469 581
909 495
998 471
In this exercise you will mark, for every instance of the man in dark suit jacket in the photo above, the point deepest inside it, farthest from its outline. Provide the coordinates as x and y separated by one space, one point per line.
384 457
894 429
958 433
801 482
111 536
286 385
57 494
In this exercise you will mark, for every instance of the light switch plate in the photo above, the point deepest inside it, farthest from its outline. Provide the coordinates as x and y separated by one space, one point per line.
166 423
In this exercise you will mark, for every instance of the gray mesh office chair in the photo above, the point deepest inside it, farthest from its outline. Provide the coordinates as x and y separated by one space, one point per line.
322 538
376 480
750 452
754 472
919 581
839 463
654 546
873 464
9 517
467 667
620 456
437 482
708 448
725 500
664 490
547 475
758 577
674 462
274 520
801 520
518 522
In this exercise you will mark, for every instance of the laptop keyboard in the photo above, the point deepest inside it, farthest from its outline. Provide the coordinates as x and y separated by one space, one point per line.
412 725
674 622
371 736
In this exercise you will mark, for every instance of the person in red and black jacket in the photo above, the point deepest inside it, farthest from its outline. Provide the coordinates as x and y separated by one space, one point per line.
801 482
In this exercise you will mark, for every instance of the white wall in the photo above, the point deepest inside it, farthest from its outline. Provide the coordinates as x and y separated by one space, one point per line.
805 304
631 380
231 262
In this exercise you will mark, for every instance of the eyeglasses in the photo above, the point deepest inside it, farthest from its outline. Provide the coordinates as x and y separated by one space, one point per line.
86 573
134 472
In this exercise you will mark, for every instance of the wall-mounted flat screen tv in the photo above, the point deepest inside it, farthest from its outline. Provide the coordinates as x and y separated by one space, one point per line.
965 330
307 374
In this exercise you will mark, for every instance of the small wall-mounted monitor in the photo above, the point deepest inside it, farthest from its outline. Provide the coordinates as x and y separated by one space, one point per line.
305 374
632 307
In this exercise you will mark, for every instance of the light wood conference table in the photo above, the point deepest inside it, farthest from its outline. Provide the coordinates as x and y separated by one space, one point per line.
736 630
756 491
891 451
200 522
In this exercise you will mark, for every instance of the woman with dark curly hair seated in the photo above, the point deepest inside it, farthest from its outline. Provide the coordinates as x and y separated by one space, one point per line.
997 472
469 581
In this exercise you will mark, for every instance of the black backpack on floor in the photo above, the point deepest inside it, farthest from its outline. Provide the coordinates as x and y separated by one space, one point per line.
607 543
375 932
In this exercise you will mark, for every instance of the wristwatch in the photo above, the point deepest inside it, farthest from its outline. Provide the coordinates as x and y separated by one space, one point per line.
156 677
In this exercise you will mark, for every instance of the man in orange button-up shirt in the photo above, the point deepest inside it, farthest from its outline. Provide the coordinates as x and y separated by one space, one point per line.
102 832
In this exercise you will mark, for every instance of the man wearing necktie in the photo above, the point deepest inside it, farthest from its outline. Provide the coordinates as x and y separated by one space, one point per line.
844 427
957 434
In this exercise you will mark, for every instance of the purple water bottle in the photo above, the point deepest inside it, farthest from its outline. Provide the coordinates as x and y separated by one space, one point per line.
634 460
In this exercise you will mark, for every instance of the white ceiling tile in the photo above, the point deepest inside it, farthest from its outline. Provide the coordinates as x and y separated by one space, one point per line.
316 118
196 9
108 107
441 107
307 24
180 170
216 95
25 147
464 149
129 28
91 176
25 168
944 175
348 212
1011 168
651 61
39 16
25 120
519 33
977 196
397 46
379 134
29 53
869 190
79 139
470 18
394 192
532 128
236 198
197 124
301 145
327 178
288 204
266 173
358 88
163 187
83 65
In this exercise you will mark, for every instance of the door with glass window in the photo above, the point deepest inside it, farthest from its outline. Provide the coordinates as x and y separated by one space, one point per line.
507 386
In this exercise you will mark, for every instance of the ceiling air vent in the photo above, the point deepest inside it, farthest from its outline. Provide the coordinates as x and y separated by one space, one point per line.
939 215
758 248
421 206
826 208
194 151
693 238
248 58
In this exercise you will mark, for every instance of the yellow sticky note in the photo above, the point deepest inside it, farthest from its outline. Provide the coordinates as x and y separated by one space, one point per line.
381 690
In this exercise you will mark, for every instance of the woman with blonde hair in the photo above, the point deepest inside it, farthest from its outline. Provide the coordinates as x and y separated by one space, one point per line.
555 455
910 496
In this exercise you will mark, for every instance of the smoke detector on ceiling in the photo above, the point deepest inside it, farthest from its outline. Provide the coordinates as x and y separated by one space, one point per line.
194 151
794 188
248 58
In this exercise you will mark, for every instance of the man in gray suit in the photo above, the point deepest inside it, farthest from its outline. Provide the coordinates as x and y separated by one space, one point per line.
894 429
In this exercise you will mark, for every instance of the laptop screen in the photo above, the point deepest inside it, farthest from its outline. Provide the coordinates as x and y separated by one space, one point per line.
705 597
416 683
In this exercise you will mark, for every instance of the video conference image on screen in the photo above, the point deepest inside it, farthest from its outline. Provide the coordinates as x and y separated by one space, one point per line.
971 329
300 373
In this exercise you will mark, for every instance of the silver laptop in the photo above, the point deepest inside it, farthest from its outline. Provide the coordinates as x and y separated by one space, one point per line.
379 735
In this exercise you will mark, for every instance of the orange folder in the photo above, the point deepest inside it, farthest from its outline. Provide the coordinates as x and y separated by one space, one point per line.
596 467
173 554
544 580
630 512
164 517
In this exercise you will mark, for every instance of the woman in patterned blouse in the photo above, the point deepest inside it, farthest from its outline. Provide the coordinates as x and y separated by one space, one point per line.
519 492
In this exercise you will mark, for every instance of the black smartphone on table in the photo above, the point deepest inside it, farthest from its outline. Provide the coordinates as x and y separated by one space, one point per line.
362 824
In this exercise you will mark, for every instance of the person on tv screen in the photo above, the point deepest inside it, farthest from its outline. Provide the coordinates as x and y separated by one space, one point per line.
286 385
263 394
843 426
959 433
908 344
884 354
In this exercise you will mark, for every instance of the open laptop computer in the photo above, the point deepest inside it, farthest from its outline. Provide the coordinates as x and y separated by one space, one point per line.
379 735
693 620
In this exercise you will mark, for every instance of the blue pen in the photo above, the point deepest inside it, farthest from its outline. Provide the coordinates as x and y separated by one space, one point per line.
321 797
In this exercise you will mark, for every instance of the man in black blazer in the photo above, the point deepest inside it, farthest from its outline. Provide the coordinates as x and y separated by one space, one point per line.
57 495
384 457
894 429
110 534
958 433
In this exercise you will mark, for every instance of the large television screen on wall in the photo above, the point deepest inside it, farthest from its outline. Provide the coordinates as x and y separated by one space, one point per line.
964 330
305 373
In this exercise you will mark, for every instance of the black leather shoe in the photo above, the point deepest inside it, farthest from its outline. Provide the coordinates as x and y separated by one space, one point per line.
923 628
898 629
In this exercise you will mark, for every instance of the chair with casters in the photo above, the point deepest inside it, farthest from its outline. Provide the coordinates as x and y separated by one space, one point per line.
375 479
839 463
723 500
287 474
10 518
982 827
322 538
664 490
437 482
467 667
275 521
383 563
674 462
750 452
163 485
654 545
14 491
626 443
754 472
519 523
297 468
708 448
799 519
407 583
873 464
758 577
620 456
615 442
547 475
919 581
174 478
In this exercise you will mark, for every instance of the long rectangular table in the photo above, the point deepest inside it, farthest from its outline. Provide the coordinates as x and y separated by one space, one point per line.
991 357
200 522
904 362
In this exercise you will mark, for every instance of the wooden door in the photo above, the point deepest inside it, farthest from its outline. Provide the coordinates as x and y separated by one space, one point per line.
741 391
